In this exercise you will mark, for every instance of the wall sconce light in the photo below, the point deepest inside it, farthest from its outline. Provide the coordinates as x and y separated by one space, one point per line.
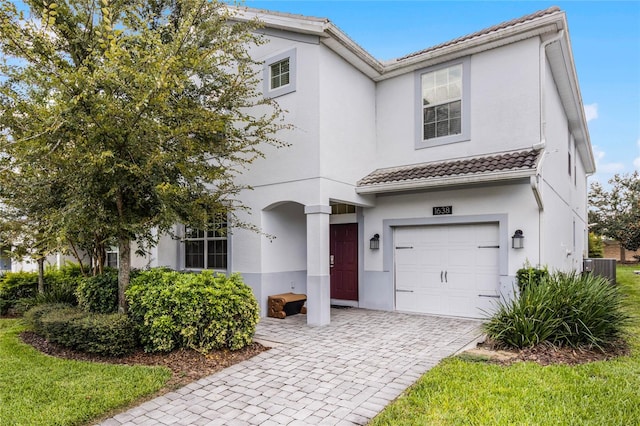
517 241
374 242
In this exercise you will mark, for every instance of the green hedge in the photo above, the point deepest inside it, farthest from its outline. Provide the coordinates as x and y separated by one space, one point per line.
564 310
33 316
20 289
100 293
103 334
204 311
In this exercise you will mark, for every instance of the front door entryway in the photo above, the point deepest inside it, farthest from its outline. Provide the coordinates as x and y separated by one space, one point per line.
343 261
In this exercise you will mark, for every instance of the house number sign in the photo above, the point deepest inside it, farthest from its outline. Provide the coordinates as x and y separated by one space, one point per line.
438 211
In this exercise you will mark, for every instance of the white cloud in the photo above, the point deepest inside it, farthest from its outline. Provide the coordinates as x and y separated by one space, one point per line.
602 166
591 112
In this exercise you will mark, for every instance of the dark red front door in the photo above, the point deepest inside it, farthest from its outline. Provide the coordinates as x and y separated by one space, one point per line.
344 261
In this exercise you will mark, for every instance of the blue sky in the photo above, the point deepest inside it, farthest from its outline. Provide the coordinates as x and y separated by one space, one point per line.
605 37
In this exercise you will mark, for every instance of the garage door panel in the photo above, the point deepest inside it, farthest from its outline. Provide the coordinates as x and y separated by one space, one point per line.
448 270
417 256
411 303
417 280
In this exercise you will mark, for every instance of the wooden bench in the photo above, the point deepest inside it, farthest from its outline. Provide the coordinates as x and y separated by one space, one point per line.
281 305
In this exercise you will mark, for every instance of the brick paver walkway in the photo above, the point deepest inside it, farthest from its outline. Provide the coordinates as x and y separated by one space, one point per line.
340 374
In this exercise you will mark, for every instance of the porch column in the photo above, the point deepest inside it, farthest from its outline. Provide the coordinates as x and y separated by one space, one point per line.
318 286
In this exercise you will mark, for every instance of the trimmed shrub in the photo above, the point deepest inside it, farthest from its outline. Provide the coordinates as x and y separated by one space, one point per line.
103 334
564 310
18 285
100 293
204 311
55 324
5 304
59 286
33 315
530 276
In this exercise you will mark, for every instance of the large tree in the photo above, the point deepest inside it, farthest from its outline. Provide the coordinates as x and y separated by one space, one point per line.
615 213
144 112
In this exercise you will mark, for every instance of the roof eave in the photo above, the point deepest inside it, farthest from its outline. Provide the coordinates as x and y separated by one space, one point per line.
521 31
441 182
345 47
329 34
565 76
280 21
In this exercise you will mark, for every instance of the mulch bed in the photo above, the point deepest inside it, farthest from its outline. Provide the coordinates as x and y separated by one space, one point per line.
187 365
546 354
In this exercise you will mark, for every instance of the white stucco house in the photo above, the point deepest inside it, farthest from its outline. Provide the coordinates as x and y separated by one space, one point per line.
409 184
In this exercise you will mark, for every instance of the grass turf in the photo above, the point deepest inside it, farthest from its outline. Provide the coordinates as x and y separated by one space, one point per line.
469 392
36 389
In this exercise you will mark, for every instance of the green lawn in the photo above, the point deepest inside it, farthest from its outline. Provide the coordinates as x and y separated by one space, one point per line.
461 391
36 389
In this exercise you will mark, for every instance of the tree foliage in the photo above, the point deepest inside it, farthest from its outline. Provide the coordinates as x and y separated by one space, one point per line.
139 113
596 246
615 213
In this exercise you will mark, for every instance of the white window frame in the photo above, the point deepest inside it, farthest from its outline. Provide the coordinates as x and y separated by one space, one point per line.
280 74
465 131
113 250
205 238
266 71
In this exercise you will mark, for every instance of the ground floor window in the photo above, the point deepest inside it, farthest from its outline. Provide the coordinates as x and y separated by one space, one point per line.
206 249
112 258
5 260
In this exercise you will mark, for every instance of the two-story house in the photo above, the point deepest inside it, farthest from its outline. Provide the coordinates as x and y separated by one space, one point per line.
420 184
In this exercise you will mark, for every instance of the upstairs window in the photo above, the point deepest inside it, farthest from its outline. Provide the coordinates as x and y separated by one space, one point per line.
206 249
279 74
442 102
443 110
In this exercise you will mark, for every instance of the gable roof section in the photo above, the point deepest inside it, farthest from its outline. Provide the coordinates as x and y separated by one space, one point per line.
494 168
544 24
485 31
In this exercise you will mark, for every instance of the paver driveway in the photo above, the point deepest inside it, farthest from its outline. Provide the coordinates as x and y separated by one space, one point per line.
340 374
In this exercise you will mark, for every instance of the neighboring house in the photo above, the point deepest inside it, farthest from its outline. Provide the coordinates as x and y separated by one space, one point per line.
407 180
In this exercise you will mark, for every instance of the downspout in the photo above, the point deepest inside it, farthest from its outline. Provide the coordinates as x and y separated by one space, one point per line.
537 179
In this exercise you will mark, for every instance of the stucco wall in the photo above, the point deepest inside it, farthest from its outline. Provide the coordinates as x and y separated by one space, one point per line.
299 160
504 112
565 217
515 201
347 120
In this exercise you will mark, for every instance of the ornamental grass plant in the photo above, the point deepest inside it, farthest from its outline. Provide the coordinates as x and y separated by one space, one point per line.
563 309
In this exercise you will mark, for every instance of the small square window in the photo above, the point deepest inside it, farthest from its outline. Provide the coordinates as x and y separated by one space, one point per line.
279 74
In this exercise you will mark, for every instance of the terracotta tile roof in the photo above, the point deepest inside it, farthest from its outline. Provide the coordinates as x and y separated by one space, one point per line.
489 30
510 161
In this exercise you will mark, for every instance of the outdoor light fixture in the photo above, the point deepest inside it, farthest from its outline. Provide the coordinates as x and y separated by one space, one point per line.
374 242
517 241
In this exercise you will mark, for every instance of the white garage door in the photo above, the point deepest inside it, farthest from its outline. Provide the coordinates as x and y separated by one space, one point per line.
447 270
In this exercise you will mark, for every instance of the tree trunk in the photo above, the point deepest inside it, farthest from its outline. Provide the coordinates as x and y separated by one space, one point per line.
623 254
41 275
78 258
124 271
